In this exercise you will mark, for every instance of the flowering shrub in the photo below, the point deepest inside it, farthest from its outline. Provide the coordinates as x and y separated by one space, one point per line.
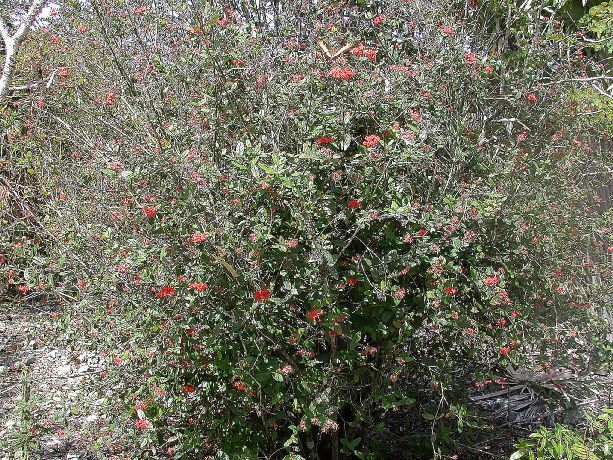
289 249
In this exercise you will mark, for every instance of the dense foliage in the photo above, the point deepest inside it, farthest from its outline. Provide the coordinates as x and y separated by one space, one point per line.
278 246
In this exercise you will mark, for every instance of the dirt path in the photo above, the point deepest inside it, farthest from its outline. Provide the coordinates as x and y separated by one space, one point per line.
42 412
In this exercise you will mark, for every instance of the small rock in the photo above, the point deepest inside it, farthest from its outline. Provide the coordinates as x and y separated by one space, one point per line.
63 370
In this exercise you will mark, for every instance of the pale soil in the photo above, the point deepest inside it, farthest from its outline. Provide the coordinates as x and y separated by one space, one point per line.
42 407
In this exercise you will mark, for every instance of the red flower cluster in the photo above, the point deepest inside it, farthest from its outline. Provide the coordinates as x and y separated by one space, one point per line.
198 286
197 238
323 140
166 291
341 73
491 281
360 51
141 424
188 388
149 211
354 204
238 385
378 19
531 98
314 314
261 296
451 291
371 141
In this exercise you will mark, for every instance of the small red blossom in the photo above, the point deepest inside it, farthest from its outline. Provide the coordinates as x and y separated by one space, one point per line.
354 204
501 323
323 140
197 238
198 286
110 98
166 291
314 314
261 296
149 212
140 405
341 73
352 281
238 385
531 98
371 141
504 351
371 54
141 424
378 19
358 51
491 281
451 291
188 388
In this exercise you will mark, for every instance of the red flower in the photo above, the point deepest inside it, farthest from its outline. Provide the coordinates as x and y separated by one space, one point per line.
261 296
451 291
371 54
314 314
166 291
505 350
323 140
341 73
198 286
378 19
358 51
149 211
491 281
141 424
422 232
238 385
352 281
502 322
188 388
197 238
354 204
531 98
371 141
